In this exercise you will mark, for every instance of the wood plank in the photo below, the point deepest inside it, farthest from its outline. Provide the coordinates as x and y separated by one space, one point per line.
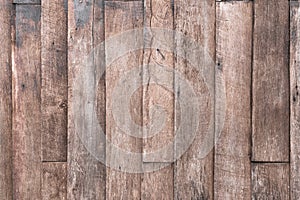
86 175
270 181
196 21
54 91
54 180
36 2
295 99
5 100
158 184
26 103
270 81
119 18
232 151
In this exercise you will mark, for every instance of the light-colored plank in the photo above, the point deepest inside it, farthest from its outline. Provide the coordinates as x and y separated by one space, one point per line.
26 103
295 99
194 20
6 8
232 150
158 100
86 174
54 181
119 18
270 181
54 91
270 81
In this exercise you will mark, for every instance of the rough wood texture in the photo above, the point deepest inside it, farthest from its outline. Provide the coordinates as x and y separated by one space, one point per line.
54 92
158 184
27 2
26 103
232 151
5 100
196 20
270 181
295 99
271 81
86 175
54 181
121 17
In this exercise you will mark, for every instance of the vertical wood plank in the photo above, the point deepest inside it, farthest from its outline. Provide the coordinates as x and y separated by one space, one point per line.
5 100
54 91
270 81
86 175
232 151
196 21
26 103
270 181
295 99
54 181
119 18
158 184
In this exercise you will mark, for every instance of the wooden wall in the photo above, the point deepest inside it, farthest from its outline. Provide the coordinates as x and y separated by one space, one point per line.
58 83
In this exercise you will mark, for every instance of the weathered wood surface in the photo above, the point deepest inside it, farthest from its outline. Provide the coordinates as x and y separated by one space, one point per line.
37 2
54 90
119 18
232 151
6 9
86 175
54 181
270 81
196 21
270 181
26 103
158 184
295 100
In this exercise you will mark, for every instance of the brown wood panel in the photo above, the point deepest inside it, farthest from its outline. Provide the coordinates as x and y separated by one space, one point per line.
232 150
270 81
295 99
119 18
6 8
54 180
158 184
194 173
26 103
86 175
54 91
270 181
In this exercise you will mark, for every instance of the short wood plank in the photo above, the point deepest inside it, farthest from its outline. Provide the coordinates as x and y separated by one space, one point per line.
36 2
295 99
86 175
54 92
194 173
54 181
232 150
270 81
270 181
5 100
158 184
119 18
26 103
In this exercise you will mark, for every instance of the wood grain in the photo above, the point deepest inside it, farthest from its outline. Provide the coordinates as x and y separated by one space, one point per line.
5 100
232 151
26 103
54 91
54 181
270 181
196 21
295 99
121 17
158 184
86 175
270 81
